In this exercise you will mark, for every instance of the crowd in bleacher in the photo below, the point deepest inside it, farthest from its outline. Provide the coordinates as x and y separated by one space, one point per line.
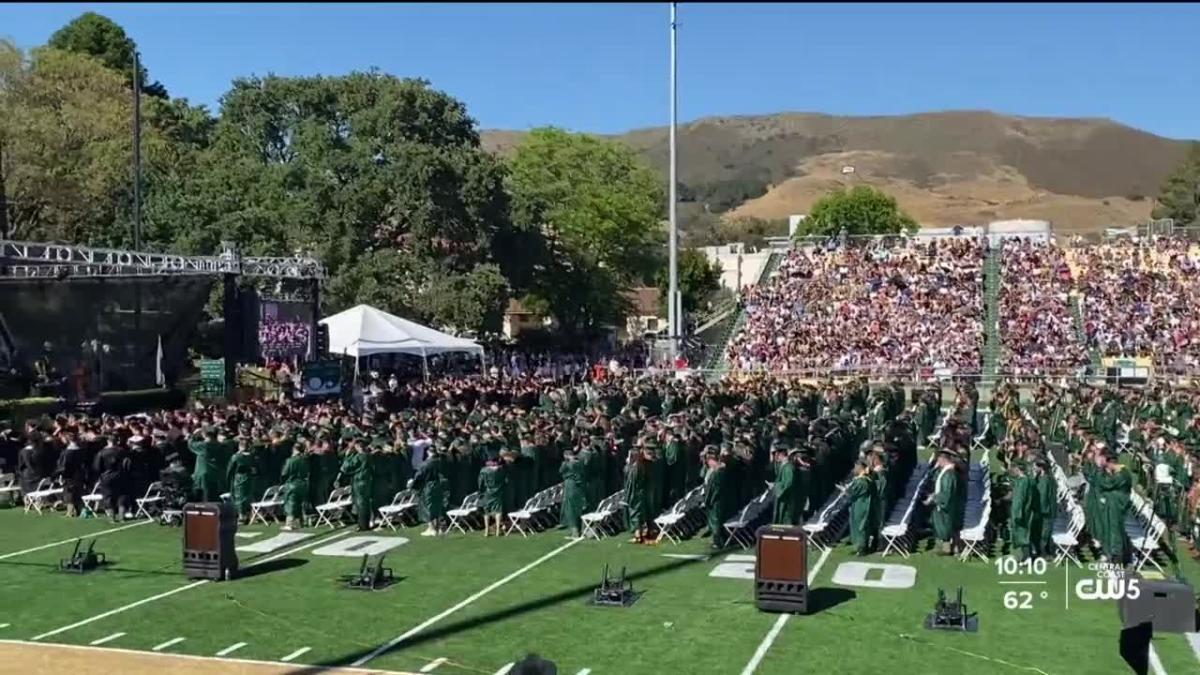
1140 298
909 307
1037 326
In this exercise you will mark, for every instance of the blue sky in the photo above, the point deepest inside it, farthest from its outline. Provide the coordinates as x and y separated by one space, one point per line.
603 68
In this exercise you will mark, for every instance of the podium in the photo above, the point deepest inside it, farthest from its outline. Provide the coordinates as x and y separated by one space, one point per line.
781 569
208 541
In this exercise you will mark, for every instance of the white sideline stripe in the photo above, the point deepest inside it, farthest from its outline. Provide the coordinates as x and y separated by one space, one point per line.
1192 638
181 589
432 665
102 640
505 668
684 556
479 594
188 657
296 654
1156 665
585 671
5 625
231 648
779 623
43 547
168 643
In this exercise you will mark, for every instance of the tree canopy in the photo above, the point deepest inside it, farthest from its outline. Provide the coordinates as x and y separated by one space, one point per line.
1179 197
599 209
382 178
860 210
105 40
698 278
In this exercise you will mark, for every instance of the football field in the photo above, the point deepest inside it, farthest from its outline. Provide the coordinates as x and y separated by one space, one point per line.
465 604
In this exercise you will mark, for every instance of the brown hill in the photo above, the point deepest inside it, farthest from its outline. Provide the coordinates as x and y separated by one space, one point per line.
945 168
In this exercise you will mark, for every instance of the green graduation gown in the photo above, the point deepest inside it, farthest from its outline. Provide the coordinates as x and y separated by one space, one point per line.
206 477
432 484
574 475
861 496
359 467
241 473
491 489
636 513
294 477
1047 501
1023 512
947 504
784 489
1114 500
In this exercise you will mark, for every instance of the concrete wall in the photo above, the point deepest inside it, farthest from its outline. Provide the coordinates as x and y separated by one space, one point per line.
729 256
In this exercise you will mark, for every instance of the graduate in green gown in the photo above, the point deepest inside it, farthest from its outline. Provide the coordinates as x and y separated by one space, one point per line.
636 514
491 488
1023 510
358 467
574 474
948 501
294 478
1115 483
862 495
431 481
206 476
241 474
784 488
719 496
1047 503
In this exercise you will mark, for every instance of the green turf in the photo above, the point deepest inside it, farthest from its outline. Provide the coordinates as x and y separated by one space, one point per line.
685 622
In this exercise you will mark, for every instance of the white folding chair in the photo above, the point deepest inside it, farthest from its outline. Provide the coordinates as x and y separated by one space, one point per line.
91 501
10 489
151 503
335 508
974 538
404 503
523 520
44 496
269 506
598 523
1066 541
467 513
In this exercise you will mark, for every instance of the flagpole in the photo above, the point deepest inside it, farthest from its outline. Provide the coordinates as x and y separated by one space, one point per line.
674 311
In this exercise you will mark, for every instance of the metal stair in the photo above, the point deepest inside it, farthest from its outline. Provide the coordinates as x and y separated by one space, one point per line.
1077 315
991 304
718 360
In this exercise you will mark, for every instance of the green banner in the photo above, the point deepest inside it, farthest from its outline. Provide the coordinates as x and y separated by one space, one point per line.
212 377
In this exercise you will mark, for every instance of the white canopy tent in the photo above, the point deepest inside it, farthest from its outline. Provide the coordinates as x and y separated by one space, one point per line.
363 331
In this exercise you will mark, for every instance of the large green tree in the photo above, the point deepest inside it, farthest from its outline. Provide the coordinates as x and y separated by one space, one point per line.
380 177
1179 197
698 278
64 145
599 208
860 210
102 38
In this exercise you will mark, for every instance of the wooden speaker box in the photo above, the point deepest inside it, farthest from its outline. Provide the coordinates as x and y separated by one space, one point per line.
781 569
208 541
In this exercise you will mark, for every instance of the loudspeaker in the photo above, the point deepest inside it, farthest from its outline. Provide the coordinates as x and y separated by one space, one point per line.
781 569
208 541
1169 605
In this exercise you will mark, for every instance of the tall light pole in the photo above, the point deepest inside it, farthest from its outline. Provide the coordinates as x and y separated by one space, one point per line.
674 311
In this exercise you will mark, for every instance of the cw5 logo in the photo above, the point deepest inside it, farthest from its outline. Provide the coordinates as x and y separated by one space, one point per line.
1108 589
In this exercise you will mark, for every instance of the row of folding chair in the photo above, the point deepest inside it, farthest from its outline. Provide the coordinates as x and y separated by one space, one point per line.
742 527
401 511
683 518
1145 530
896 532
605 521
824 527
469 514
974 534
539 511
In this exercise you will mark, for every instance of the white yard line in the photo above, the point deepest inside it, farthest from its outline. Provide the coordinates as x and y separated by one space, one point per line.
1156 665
5 625
43 547
296 654
1192 638
779 623
432 665
504 669
585 671
194 584
429 622
187 657
168 643
102 640
231 649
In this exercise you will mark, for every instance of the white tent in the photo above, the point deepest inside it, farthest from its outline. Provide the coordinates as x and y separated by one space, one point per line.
364 330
